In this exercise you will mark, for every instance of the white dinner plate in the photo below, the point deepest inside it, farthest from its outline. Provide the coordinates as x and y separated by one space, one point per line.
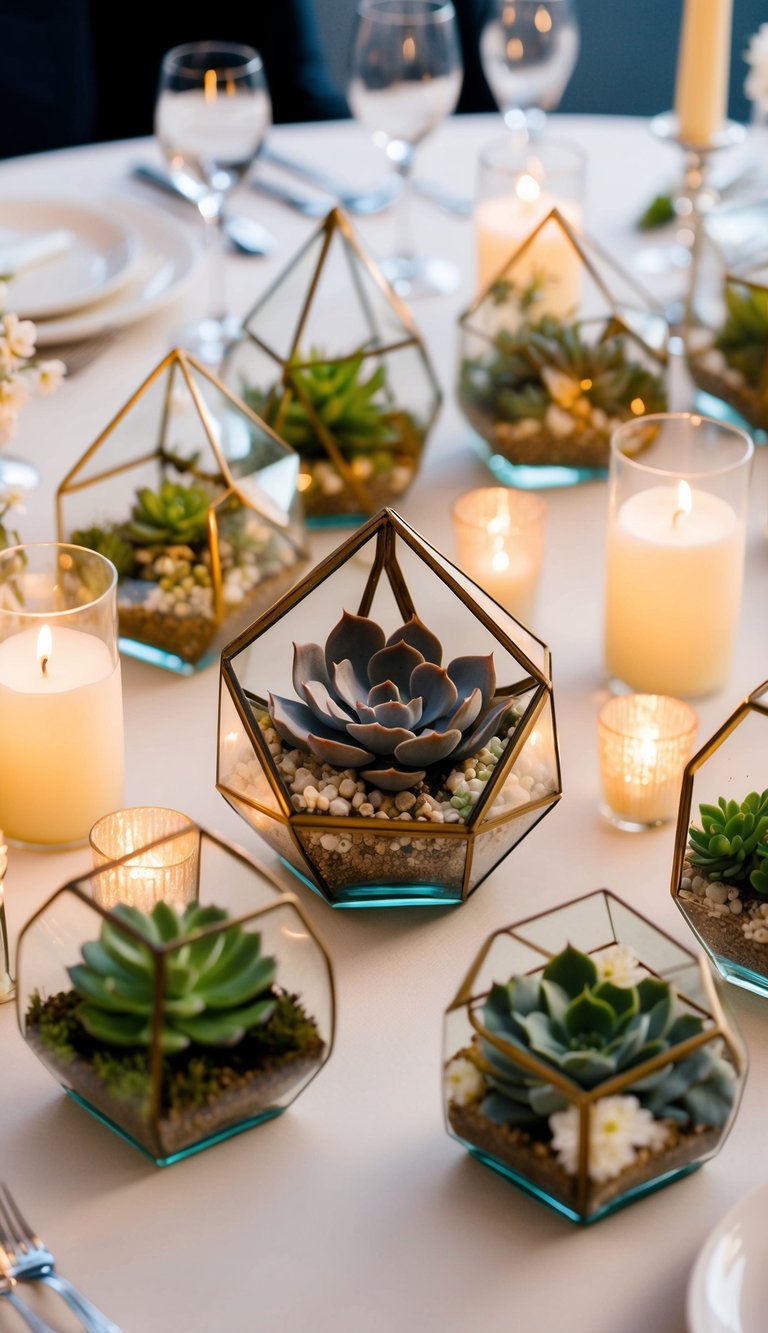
167 257
728 1288
97 260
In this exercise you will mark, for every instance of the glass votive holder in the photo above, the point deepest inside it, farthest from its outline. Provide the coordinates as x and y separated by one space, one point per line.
500 539
677 509
165 868
645 741
61 708
519 182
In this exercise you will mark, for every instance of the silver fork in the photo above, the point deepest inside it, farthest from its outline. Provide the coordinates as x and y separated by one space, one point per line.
8 1292
28 1260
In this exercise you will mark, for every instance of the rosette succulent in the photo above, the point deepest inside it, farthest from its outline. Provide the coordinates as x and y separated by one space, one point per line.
215 988
590 1030
386 706
733 840
174 515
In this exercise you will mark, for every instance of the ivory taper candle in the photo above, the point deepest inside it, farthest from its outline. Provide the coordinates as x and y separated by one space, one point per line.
701 92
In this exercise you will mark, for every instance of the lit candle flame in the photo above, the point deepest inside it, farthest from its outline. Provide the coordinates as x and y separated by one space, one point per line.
44 646
528 189
499 562
209 85
684 502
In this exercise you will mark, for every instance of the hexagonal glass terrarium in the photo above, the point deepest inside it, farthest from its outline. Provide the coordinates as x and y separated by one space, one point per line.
720 869
421 747
177 1030
559 348
332 360
195 501
588 1058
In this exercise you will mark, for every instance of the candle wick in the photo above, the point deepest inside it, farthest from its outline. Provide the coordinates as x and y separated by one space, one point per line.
44 665
678 514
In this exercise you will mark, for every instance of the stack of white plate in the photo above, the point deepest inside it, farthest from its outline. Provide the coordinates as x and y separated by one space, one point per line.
77 268
728 1289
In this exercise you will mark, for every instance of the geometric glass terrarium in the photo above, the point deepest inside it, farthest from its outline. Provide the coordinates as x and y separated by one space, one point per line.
195 501
177 1031
420 745
331 358
720 869
588 1058
559 348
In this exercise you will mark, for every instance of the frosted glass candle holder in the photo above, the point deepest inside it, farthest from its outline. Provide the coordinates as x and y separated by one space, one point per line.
165 868
645 741
500 539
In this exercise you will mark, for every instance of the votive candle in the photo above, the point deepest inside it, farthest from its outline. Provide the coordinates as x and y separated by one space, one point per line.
645 741
166 871
500 539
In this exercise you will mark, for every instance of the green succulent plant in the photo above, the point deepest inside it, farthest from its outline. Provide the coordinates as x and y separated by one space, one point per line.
108 542
726 846
174 515
591 1030
215 988
743 339
337 393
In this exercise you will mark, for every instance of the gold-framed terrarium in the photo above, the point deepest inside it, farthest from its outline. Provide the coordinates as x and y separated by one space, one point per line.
177 1026
589 1059
195 500
556 351
720 867
391 779
331 358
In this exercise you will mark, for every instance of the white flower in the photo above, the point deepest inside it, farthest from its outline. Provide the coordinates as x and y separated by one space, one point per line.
14 391
19 335
49 375
756 56
464 1083
618 1127
620 965
8 421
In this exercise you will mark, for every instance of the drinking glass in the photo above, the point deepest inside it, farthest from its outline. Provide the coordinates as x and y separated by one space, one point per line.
211 116
406 73
528 51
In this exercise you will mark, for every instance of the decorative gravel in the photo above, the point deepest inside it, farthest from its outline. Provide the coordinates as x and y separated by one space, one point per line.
733 922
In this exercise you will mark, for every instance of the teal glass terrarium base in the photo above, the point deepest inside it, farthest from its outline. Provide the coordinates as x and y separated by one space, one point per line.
220 1137
383 895
709 406
145 652
527 1187
544 477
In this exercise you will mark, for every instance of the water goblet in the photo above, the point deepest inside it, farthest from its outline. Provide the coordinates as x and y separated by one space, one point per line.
211 115
528 51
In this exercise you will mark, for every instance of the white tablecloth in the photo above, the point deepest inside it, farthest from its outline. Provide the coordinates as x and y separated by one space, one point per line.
355 1212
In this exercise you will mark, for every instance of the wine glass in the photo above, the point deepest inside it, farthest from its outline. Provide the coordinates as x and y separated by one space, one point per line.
211 116
405 78
528 52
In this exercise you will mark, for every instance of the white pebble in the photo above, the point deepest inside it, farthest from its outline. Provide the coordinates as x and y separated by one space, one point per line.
717 893
339 806
347 788
365 808
405 800
323 803
735 906
330 841
344 845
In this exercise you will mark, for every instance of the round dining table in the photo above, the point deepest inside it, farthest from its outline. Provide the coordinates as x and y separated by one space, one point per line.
355 1212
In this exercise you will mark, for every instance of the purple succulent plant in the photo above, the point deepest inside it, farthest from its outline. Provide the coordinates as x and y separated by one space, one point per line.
386 706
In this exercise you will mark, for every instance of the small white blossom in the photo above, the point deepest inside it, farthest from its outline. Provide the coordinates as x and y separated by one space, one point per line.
756 56
618 1127
620 965
19 370
49 375
14 391
19 335
464 1083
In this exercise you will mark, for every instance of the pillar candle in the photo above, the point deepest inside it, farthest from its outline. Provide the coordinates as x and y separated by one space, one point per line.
673 590
503 222
61 724
701 93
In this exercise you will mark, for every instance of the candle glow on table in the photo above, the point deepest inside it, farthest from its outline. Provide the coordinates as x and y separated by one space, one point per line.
645 741
500 538
673 591
701 91
61 724
502 224
167 871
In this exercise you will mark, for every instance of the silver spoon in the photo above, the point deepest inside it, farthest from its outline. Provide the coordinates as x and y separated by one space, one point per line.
247 236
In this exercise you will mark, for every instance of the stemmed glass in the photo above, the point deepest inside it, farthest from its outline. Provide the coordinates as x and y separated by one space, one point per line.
211 116
528 51
405 78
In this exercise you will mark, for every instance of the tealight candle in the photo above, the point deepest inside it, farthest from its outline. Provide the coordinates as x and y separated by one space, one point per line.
166 871
645 741
675 552
500 539
61 715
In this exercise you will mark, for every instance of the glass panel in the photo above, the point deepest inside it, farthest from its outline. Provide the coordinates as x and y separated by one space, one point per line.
240 771
534 771
365 865
490 848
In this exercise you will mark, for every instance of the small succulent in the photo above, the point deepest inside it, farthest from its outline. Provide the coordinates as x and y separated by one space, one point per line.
338 396
590 1031
386 706
743 339
215 988
109 543
175 515
727 846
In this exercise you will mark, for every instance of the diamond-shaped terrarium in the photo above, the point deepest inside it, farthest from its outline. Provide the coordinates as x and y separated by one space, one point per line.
176 1026
332 360
195 501
588 1058
560 348
417 744
720 871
